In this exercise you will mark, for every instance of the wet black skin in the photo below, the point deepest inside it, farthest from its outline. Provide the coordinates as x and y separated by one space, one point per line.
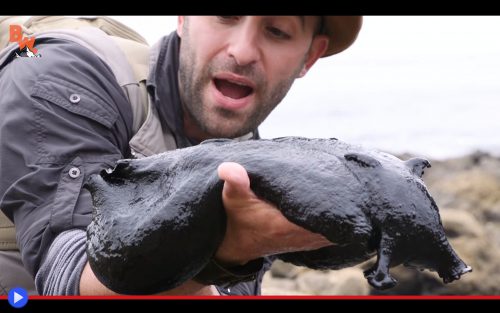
158 220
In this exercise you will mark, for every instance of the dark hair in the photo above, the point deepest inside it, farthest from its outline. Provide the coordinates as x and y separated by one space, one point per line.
320 26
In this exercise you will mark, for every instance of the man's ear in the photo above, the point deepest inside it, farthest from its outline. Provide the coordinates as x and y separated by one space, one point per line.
180 25
318 47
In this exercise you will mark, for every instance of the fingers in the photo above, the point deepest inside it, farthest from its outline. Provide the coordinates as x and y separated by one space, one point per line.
237 183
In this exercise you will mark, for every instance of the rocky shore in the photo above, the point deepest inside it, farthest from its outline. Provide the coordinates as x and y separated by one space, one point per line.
467 192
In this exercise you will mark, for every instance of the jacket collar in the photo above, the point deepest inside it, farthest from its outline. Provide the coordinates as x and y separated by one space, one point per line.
163 87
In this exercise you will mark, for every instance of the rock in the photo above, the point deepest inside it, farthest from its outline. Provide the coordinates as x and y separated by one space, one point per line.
281 269
461 224
472 189
349 281
279 286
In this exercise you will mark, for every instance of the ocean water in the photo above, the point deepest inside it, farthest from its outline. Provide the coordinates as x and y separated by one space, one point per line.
426 85
439 107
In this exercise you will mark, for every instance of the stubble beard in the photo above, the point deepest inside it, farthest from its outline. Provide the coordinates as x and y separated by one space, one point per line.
217 122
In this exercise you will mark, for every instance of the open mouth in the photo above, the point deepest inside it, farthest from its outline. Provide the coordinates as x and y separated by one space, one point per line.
233 89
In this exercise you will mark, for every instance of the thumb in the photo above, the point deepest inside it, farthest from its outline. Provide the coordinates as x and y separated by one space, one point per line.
237 183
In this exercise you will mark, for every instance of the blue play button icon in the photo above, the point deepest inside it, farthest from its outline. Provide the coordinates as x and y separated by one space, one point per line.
18 297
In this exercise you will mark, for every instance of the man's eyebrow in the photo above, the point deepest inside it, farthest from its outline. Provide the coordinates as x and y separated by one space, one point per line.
302 19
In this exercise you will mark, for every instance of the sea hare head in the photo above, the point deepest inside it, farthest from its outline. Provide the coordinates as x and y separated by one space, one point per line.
411 233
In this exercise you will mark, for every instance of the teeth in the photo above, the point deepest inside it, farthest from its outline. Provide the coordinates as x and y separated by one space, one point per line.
237 83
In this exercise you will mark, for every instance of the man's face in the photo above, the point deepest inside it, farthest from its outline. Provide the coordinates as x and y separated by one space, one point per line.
234 70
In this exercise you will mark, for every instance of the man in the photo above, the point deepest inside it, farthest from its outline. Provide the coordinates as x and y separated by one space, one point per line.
63 117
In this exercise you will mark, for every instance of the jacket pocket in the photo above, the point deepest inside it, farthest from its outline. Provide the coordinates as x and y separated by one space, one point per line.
66 197
75 99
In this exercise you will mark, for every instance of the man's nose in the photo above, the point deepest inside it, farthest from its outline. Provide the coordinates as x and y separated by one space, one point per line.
244 46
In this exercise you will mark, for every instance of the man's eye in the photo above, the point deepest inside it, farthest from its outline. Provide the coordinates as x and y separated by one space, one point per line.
278 33
228 19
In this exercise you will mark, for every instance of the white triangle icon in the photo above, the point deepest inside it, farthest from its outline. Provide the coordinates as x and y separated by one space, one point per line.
17 297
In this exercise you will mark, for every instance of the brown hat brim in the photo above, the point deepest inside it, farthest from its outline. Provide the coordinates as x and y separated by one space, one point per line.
342 31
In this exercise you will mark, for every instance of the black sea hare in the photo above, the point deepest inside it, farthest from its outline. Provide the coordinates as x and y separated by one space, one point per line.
158 220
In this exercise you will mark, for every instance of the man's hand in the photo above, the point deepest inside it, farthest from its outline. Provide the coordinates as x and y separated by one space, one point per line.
256 228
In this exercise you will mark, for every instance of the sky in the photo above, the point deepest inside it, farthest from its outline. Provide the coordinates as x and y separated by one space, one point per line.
427 85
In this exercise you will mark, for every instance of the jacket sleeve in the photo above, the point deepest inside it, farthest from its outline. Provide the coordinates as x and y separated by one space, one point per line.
63 117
